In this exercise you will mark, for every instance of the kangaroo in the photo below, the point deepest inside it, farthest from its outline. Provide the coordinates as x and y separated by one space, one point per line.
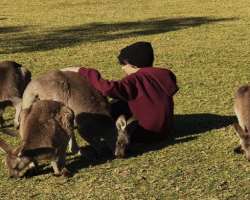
242 111
91 109
13 80
123 135
45 130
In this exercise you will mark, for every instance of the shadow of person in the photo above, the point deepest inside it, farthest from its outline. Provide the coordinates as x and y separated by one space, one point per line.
99 131
195 124
89 158
187 127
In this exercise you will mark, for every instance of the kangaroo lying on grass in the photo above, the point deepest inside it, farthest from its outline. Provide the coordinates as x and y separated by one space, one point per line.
45 130
91 109
13 80
242 110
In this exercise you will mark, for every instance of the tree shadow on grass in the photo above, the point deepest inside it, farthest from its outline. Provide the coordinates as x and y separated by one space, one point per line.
97 32
11 29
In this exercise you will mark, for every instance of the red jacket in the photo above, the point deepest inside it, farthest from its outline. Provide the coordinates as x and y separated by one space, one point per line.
149 93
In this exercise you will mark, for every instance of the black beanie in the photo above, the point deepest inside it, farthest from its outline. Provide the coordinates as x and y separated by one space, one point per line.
139 54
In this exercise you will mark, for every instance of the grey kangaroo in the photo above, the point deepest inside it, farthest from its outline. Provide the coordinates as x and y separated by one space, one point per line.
242 110
13 80
45 130
91 109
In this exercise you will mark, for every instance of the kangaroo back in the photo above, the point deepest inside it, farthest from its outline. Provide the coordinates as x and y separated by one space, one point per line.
41 125
69 88
91 109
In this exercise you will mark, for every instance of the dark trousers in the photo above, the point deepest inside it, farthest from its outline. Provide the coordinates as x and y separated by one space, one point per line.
137 133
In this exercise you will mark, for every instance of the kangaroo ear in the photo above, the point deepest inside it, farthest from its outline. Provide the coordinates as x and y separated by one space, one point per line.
121 123
67 117
239 130
26 75
5 147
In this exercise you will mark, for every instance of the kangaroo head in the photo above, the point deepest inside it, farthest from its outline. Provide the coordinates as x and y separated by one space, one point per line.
15 162
17 165
122 137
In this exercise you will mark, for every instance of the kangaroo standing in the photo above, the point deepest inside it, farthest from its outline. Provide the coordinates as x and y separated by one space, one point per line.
13 80
242 110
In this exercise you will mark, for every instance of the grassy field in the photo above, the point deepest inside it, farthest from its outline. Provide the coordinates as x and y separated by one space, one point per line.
206 44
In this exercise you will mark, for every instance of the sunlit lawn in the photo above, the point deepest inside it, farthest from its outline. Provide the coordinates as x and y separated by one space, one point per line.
205 43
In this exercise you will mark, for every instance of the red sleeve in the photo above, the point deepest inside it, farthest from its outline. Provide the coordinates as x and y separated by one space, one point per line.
124 89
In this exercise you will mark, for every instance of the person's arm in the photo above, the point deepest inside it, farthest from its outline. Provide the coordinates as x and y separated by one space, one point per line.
123 89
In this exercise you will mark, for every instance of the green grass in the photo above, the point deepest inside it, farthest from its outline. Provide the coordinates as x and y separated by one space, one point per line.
206 44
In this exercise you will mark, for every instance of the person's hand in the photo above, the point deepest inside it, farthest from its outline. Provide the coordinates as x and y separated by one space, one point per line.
71 69
129 69
125 62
